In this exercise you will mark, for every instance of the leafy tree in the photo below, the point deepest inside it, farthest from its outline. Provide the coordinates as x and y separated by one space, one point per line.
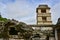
3 19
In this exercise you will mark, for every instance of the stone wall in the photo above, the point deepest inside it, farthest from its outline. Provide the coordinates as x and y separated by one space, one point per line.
11 39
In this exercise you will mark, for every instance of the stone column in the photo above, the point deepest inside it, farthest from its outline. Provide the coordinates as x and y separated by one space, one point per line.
56 37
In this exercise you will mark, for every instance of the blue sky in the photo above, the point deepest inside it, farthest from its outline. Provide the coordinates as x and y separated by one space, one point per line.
25 10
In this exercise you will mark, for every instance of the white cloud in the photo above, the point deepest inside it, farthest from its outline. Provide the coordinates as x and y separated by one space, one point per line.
23 10
20 10
55 10
2 6
30 20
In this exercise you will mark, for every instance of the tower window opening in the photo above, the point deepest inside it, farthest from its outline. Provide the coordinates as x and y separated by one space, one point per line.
43 10
44 18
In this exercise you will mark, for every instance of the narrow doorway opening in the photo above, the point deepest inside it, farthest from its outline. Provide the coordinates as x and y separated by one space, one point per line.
12 31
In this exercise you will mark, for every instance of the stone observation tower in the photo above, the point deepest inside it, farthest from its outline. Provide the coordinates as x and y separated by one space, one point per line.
43 15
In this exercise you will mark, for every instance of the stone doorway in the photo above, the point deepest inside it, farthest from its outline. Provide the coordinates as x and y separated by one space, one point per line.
12 31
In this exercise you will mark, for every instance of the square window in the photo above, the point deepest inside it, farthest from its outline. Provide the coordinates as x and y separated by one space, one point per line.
44 18
43 10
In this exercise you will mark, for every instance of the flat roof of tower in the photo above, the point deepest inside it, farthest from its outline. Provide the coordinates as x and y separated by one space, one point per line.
43 6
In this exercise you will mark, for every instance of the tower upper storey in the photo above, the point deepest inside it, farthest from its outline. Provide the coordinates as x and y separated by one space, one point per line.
43 15
43 9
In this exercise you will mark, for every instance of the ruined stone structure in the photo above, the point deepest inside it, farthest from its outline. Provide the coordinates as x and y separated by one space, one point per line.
44 25
43 28
1 26
57 30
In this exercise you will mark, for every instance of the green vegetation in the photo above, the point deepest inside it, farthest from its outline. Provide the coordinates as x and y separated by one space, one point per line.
3 19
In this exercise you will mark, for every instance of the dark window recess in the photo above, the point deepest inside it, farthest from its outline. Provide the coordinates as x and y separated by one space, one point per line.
43 10
44 18
13 31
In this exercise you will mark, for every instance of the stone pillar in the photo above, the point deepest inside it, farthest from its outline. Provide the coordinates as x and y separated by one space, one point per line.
51 38
56 37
